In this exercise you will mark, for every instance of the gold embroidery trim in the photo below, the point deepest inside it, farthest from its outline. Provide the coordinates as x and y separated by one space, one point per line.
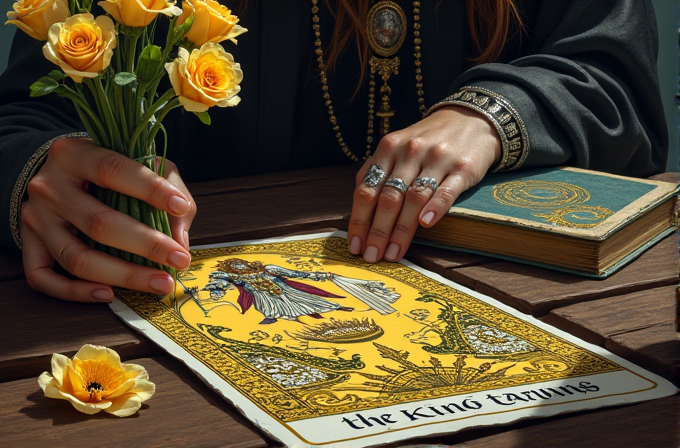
27 173
509 124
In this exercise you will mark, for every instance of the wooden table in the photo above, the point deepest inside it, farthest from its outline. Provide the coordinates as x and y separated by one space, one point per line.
630 314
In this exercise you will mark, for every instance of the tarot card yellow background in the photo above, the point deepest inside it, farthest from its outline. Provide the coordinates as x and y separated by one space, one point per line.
438 341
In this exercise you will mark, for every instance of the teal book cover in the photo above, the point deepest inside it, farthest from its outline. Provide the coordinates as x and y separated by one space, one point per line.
569 201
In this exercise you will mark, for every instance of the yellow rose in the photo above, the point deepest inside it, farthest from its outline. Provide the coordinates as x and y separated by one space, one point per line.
208 77
95 380
138 13
81 46
35 17
213 22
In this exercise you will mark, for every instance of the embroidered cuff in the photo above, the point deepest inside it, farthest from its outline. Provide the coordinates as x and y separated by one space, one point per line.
19 190
511 129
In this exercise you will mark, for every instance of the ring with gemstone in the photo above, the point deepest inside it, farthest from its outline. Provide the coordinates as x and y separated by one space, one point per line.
396 183
374 176
421 183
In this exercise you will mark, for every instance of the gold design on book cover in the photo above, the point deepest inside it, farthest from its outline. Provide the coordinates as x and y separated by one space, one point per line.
303 329
560 203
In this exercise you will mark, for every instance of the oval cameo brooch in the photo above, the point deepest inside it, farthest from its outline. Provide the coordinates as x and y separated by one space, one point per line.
386 26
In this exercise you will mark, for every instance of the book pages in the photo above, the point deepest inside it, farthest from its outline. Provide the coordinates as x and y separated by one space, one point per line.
318 348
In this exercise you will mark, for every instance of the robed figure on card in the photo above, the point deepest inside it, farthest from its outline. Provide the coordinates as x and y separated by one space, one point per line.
272 291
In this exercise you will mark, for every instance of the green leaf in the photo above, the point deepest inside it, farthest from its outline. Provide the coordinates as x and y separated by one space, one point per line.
43 86
57 75
181 30
124 78
204 117
149 64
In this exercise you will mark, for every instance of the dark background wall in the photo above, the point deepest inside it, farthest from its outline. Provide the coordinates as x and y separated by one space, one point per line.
668 17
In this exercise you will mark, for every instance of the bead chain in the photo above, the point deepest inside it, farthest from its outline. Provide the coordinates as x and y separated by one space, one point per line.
371 85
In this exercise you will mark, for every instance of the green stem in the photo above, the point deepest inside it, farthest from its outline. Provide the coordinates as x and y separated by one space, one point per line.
161 115
82 106
130 57
119 91
169 45
143 122
108 113
97 90
161 170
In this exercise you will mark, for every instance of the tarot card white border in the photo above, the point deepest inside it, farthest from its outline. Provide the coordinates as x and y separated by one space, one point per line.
418 419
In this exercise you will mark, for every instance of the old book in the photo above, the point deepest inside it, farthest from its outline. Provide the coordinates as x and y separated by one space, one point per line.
574 220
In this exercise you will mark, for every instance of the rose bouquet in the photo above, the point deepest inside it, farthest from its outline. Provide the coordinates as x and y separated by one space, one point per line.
111 70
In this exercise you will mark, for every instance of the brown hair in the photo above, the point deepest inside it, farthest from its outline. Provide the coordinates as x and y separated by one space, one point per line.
490 22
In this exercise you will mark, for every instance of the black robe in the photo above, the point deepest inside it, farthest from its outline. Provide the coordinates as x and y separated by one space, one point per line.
582 77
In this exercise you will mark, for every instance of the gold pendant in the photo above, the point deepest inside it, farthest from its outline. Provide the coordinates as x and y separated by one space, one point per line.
386 29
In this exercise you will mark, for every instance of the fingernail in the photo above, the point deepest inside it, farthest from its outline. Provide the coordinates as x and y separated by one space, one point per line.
103 295
186 239
429 216
392 252
161 283
371 254
178 206
179 260
355 245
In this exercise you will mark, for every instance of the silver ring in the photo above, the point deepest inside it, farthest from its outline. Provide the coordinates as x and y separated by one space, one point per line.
396 183
374 176
421 183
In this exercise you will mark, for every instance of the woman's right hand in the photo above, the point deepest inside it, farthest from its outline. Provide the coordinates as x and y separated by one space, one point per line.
59 205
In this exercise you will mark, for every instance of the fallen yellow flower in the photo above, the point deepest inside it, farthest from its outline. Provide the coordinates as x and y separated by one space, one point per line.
95 380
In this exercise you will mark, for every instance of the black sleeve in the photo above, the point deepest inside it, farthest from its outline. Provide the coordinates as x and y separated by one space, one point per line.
27 125
586 86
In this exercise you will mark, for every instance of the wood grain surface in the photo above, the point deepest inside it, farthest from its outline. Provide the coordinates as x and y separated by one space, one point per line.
536 291
636 326
652 424
630 314
182 412
11 266
33 326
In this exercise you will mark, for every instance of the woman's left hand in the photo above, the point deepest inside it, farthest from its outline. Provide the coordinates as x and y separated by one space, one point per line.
455 146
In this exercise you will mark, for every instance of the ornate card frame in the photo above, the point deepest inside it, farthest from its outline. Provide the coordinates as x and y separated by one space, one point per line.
358 381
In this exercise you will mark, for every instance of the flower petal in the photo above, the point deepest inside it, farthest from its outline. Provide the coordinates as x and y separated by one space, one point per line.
86 408
143 389
99 353
59 364
44 379
125 405
231 102
134 372
52 391
191 105
73 383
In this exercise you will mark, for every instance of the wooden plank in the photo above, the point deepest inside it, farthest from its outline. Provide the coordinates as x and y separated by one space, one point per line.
445 261
536 291
33 326
636 326
11 266
667 177
269 212
654 423
183 412
272 180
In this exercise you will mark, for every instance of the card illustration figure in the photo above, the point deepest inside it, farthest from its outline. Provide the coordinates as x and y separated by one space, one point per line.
319 348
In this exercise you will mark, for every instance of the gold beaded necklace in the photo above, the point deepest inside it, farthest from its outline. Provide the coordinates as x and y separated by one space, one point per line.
386 28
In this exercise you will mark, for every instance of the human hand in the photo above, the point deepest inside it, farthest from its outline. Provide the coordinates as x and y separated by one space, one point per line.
455 146
59 205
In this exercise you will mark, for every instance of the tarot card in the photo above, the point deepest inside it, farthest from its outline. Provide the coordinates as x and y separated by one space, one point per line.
319 348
